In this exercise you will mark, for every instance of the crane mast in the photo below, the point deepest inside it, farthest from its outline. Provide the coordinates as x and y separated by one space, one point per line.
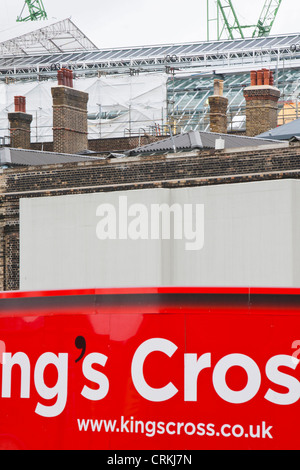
227 21
267 18
33 10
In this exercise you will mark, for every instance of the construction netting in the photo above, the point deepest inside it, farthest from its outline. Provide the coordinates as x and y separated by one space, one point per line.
118 106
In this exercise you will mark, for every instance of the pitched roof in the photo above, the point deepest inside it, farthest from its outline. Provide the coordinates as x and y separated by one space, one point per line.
14 157
200 140
284 132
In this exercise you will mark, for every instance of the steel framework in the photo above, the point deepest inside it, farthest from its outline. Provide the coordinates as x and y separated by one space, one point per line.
188 107
226 18
38 55
60 37
36 11
267 18
227 22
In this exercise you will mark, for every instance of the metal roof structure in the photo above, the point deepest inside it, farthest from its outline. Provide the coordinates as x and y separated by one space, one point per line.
284 132
201 140
60 37
63 44
191 68
15 157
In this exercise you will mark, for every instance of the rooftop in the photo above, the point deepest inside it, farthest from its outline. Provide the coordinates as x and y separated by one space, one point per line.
63 43
202 140
187 142
10 157
285 132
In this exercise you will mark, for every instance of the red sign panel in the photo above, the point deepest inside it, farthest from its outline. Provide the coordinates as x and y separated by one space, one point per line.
150 369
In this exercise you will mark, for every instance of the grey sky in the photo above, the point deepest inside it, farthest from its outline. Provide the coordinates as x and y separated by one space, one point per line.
117 23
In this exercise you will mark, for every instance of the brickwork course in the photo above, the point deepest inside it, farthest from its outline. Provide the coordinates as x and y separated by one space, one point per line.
196 168
114 144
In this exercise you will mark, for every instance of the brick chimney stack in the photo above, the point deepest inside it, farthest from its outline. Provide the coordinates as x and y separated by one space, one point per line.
70 133
20 123
261 103
218 109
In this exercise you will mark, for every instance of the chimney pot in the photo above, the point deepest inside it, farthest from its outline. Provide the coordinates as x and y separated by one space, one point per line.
253 76
71 78
60 77
260 78
23 104
67 77
218 87
20 104
63 73
266 77
17 104
261 104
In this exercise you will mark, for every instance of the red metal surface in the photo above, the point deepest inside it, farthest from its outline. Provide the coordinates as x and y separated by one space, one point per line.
159 368
154 290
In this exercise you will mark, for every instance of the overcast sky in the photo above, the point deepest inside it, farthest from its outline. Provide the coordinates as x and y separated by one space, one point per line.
117 23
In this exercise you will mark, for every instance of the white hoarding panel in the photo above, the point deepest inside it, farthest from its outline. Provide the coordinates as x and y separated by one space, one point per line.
227 235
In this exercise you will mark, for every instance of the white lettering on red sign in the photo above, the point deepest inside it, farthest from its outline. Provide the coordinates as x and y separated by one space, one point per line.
193 366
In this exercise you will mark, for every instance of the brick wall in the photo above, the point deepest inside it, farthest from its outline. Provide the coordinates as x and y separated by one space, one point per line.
122 143
190 169
116 144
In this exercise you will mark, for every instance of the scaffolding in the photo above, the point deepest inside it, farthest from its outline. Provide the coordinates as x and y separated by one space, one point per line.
188 99
186 72
118 106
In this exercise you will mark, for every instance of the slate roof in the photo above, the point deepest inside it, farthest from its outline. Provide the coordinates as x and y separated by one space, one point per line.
284 132
200 140
181 142
14 157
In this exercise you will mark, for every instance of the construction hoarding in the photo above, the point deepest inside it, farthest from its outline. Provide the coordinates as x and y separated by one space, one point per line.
153 368
222 235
